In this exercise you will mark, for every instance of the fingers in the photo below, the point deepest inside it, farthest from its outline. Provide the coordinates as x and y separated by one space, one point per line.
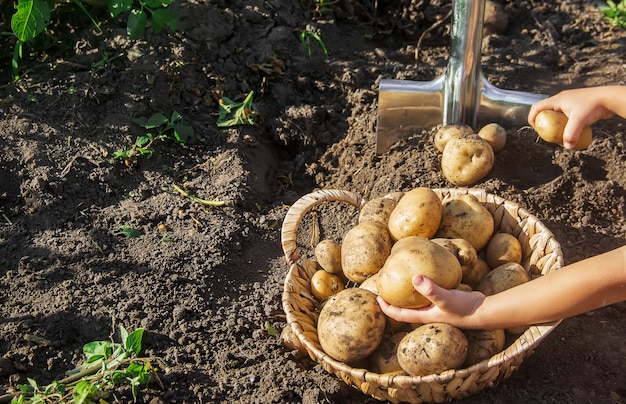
571 133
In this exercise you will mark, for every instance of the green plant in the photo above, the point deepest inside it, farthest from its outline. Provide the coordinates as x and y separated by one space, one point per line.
233 113
159 127
305 38
32 18
107 364
615 13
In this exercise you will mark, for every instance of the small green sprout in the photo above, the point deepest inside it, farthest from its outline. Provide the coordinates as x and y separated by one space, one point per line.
233 113
615 13
305 38
159 127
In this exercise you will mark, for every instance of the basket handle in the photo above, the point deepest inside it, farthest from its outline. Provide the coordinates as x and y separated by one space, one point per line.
301 207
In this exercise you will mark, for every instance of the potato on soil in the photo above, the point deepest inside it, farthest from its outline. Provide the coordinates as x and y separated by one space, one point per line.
432 348
473 277
324 284
447 132
385 359
483 344
495 135
364 249
417 213
464 216
416 256
462 249
550 125
504 277
351 325
328 255
503 248
465 161
377 210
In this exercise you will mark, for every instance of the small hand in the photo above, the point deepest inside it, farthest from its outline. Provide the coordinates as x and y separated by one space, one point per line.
454 307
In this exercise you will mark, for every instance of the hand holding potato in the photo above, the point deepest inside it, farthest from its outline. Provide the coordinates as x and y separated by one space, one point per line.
450 306
583 107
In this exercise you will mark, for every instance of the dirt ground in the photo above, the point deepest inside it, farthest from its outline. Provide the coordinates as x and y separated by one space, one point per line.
205 285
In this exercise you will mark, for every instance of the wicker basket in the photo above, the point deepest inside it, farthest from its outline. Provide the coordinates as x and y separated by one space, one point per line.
541 254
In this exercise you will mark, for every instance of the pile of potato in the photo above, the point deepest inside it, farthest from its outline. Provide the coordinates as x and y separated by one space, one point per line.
398 236
468 157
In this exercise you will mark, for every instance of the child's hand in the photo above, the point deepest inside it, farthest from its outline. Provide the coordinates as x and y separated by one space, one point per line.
448 306
583 107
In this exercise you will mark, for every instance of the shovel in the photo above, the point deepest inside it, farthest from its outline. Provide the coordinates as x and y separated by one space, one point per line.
461 95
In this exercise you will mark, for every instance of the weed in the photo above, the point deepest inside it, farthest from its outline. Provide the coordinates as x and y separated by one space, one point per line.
305 38
107 364
159 127
205 202
615 13
233 113
32 18
129 232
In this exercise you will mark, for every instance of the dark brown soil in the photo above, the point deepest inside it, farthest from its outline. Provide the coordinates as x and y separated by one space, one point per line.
205 287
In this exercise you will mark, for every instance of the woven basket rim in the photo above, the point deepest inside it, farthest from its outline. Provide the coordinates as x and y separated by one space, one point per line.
525 342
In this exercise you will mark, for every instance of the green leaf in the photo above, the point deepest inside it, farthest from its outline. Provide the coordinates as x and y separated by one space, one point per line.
15 61
97 350
136 24
130 232
155 121
117 7
182 132
31 18
82 391
162 18
271 330
132 343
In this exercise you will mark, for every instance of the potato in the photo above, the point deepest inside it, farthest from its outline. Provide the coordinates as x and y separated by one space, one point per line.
464 287
432 348
370 283
503 248
549 125
324 284
351 325
412 256
473 277
328 255
384 359
483 344
447 132
465 161
364 249
495 135
502 278
462 249
464 216
377 209
417 213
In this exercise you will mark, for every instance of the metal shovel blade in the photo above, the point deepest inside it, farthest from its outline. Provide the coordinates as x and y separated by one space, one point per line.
460 95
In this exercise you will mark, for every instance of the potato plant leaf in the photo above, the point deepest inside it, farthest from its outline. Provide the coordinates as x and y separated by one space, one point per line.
31 19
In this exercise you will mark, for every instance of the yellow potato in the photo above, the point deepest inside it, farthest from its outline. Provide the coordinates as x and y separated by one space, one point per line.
328 255
417 213
416 256
464 216
364 249
495 135
462 249
465 161
473 277
483 344
385 359
351 325
447 132
504 277
432 348
549 125
503 248
378 209
324 284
